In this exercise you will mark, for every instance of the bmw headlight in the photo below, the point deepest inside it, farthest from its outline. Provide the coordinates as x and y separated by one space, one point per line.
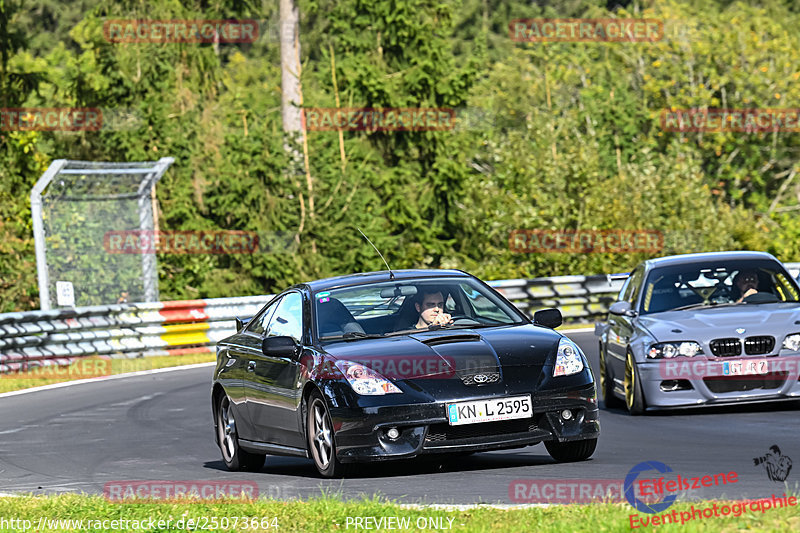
668 350
569 359
792 342
365 381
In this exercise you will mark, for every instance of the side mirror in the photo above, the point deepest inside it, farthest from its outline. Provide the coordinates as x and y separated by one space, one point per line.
549 318
280 346
621 308
241 323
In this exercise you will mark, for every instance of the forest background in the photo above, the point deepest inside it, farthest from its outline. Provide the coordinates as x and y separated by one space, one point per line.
553 136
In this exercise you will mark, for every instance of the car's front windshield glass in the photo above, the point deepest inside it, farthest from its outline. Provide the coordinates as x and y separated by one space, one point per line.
717 283
389 308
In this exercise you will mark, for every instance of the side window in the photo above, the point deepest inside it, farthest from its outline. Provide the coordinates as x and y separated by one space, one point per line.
259 324
634 286
288 317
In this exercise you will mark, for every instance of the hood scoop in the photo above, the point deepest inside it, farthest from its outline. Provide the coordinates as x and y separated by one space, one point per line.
449 339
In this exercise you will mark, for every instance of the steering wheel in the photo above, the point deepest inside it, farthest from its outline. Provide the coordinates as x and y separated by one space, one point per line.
761 298
462 320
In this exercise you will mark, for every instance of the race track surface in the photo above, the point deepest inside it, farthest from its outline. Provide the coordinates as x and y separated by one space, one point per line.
77 438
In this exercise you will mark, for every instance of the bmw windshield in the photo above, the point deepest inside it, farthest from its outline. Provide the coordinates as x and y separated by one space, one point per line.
712 284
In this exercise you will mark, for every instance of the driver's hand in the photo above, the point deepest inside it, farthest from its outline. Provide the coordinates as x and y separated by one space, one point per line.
443 319
747 293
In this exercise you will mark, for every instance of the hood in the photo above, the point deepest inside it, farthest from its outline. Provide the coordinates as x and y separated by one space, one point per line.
709 323
514 353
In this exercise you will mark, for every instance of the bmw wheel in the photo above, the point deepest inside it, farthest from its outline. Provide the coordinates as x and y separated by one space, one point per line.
634 397
235 458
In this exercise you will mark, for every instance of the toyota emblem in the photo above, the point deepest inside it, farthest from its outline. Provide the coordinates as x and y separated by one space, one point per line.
480 378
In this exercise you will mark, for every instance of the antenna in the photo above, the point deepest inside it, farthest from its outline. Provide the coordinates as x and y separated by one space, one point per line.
391 274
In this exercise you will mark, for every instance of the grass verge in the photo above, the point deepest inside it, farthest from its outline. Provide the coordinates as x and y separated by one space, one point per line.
329 513
92 367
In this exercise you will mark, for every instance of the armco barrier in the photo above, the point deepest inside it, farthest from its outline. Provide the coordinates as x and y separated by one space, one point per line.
39 338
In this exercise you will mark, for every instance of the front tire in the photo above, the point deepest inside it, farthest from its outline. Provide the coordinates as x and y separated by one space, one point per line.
321 439
236 459
568 452
634 397
610 400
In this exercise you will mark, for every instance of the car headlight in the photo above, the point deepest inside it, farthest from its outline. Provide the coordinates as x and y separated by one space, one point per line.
365 381
792 342
569 359
668 350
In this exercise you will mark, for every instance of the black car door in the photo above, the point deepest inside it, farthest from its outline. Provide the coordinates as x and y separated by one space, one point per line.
272 388
244 347
621 326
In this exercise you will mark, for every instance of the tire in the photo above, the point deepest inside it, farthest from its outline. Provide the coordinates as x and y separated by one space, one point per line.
322 440
236 459
568 452
634 397
610 400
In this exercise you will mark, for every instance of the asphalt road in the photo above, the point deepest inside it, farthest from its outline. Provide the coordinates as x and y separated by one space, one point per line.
158 427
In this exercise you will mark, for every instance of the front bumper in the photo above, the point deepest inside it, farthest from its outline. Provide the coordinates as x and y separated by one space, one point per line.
703 382
361 433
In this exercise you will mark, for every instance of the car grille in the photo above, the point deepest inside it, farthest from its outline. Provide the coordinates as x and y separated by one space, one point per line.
726 347
491 377
759 345
721 384
446 432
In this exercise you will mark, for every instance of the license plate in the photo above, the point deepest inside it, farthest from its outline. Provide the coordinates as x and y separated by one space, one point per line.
489 410
745 368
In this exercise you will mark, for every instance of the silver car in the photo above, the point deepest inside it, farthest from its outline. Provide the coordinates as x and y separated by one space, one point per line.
702 329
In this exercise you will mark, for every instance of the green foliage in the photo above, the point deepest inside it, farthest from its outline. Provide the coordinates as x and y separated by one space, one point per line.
573 140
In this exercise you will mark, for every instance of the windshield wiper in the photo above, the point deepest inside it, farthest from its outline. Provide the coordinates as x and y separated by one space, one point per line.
350 335
699 305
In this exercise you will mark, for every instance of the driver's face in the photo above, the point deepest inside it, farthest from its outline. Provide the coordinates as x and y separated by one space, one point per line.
746 281
432 305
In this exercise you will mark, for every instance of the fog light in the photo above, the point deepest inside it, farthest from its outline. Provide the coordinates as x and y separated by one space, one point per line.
393 433
566 414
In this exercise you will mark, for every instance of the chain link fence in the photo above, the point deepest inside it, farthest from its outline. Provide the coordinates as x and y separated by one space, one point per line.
74 204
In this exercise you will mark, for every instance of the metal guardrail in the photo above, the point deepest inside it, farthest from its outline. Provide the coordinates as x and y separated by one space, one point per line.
41 338
57 337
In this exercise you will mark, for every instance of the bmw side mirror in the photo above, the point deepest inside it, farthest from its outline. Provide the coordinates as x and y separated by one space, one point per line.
239 324
622 309
549 318
280 346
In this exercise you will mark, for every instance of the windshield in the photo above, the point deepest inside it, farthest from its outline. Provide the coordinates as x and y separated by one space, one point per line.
715 283
396 307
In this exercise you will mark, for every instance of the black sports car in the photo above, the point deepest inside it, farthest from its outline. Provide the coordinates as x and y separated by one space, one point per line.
391 365
702 329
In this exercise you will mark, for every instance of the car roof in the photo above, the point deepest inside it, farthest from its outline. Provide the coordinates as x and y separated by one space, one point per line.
364 278
686 259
